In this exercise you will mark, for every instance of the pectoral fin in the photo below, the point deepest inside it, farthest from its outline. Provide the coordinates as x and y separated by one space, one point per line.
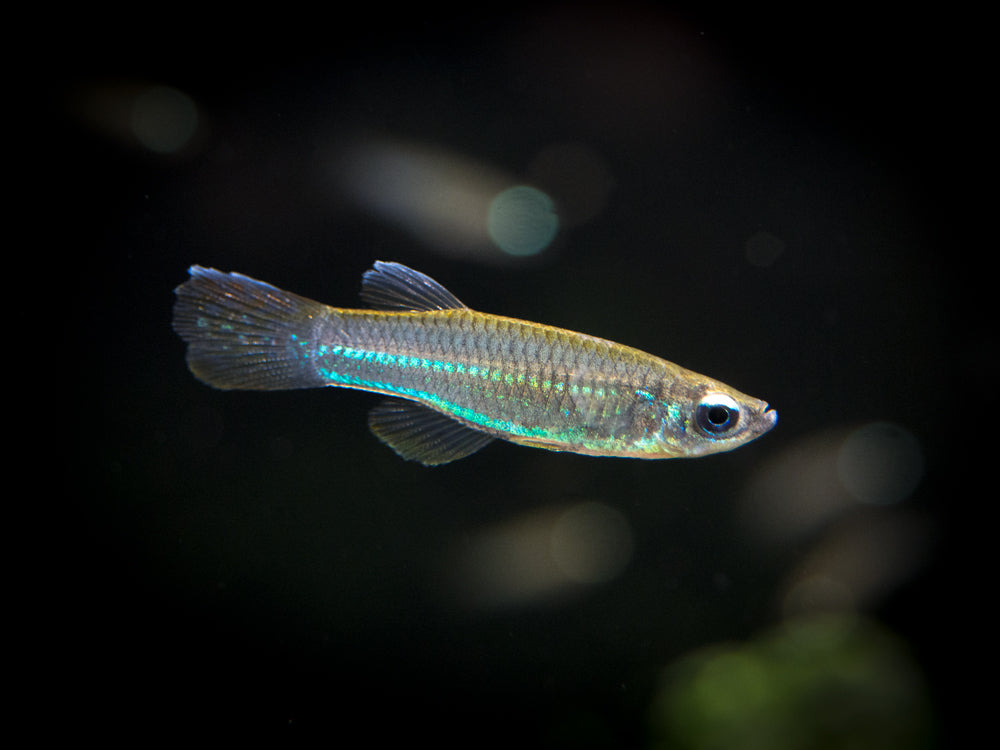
420 434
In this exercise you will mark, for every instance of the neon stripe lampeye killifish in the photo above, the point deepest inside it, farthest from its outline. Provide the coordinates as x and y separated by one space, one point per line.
456 378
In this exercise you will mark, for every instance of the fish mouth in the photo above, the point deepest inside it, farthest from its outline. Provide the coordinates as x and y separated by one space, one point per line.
769 417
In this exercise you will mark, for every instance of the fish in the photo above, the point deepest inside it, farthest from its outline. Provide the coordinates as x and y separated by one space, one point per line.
454 379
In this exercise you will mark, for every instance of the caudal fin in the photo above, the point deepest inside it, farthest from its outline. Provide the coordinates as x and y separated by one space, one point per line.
243 333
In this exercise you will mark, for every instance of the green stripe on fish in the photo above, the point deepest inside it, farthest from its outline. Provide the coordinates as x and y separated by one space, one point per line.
458 378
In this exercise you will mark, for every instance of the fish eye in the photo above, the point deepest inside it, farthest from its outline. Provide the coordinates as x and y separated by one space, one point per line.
717 414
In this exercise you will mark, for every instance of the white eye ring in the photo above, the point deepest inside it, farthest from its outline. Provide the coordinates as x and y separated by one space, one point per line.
717 414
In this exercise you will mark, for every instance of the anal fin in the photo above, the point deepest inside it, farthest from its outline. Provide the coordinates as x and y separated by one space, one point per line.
420 434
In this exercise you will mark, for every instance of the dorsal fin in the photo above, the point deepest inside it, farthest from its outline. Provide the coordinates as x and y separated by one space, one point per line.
393 286
420 434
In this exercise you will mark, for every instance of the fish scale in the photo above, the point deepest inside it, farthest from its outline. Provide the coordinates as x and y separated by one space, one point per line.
496 361
457 377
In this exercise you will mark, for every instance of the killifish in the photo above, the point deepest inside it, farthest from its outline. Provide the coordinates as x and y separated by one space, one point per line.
455 378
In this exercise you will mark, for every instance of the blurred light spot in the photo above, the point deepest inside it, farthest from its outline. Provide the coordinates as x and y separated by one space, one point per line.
522 220
158 118
164 119
591 543
541 555
822 477
880 463
455 203
858 553
796 492
834 681
763 248
441 198
728 679
857 563
818 593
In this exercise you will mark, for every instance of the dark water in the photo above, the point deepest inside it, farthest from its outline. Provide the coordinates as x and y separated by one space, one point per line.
748 202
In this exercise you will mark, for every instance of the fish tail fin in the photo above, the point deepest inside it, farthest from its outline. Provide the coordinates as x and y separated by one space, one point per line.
242 333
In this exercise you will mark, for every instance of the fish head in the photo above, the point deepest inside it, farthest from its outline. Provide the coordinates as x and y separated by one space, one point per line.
705 416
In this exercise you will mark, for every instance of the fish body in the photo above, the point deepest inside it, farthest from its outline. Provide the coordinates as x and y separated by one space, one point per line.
457 378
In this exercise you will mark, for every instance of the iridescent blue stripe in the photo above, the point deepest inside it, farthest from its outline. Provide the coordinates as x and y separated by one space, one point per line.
333 377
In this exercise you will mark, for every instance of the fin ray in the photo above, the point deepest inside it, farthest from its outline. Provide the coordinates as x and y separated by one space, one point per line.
240 331
420 434
393 286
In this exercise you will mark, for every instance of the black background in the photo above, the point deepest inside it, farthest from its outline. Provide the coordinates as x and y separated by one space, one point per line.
260 560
